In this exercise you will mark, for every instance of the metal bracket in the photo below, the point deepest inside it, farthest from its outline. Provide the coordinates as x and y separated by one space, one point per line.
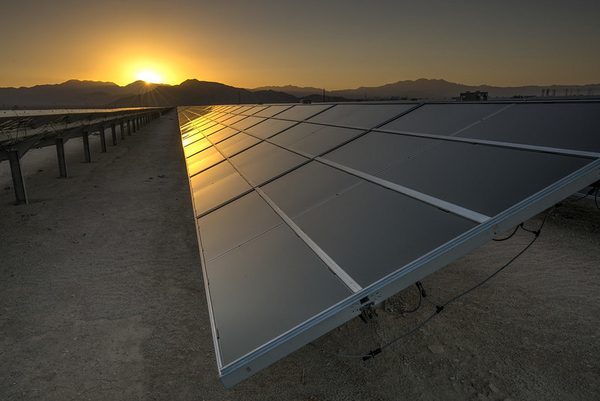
367 313
368 307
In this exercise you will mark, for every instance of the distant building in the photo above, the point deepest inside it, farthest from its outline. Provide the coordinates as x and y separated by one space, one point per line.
473 96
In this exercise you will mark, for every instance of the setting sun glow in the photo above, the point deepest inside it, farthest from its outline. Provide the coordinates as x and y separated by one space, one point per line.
149 77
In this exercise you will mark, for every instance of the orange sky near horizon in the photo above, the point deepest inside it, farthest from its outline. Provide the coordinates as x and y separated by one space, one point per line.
333 45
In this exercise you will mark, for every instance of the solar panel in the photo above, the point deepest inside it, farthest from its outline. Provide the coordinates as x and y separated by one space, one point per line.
23 130
311 212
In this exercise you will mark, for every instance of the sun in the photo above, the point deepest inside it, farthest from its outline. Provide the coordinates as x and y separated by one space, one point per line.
149 77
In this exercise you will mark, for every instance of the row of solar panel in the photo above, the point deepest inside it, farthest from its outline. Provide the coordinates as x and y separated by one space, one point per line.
437 163
541 124
16 126
256 172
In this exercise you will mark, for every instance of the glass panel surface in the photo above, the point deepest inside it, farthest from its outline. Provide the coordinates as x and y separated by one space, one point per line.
215 186
360 116
213 129
223 134
265 161
481 178
232 119
236 144
252 111
195 136
266 287
235 223
442 119
203 160
307 187
204 123
371 231
212 113
295 133
271 111
377 151
196 147
233 109
566 126
314 139
247 122
269 128
186 128
195 121
243 110
212 175
222 116
302 112
190 133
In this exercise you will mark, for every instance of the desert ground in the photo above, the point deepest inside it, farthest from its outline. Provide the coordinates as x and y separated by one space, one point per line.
101 298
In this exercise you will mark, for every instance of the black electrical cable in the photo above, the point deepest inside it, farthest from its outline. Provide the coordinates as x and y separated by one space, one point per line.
537 235
509 237
440 308
421 295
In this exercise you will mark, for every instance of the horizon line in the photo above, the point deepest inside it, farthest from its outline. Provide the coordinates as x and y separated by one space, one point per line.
296 86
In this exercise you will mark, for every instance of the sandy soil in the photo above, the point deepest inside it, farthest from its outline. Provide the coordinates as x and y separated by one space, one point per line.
101 298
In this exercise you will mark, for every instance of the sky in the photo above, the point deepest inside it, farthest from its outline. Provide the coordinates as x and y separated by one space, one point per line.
331 44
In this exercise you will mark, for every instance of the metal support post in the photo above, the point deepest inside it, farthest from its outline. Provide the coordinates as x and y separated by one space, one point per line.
113 130
122 130
86 147
133 121
128 127
14 160
102 140
60 154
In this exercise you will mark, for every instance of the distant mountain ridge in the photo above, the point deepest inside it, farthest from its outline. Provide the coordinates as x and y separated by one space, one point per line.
96 94
72 93
195 92
437 89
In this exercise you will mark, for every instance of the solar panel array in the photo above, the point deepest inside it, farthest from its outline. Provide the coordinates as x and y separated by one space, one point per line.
23 130
306 214
17 126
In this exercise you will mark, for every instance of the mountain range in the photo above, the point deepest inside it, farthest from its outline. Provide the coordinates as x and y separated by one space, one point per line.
94 94
438 89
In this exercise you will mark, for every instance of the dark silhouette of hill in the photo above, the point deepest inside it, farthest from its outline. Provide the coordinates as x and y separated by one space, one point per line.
194 92
438 89
299 92
419 89
72 93
93 94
